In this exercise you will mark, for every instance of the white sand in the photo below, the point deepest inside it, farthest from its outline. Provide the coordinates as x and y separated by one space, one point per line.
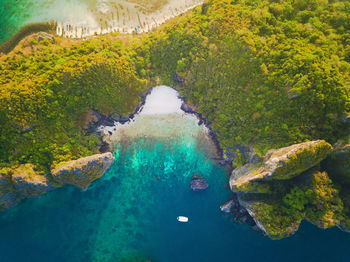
126 16
162 100
161 116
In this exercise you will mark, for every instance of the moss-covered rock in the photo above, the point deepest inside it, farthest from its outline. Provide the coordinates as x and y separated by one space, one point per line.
288 162
240 180
281 164
29 183
83 171
325 208
271 219
312 196
8 196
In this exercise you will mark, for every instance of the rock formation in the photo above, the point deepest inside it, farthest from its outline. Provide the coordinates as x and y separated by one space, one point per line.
83 171
198 184
281 164
29 183
287 187
8 197
20 182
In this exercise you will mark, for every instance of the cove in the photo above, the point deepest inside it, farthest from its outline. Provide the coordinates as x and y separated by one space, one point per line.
130 213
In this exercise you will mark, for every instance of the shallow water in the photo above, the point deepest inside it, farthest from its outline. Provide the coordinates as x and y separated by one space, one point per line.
133 209
79 18
130 213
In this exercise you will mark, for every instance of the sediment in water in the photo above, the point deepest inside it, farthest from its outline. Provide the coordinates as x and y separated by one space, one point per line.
9 45
109 132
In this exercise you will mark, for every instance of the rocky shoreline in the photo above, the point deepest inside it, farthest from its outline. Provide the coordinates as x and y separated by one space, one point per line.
23 181
236 210
110 121
252 183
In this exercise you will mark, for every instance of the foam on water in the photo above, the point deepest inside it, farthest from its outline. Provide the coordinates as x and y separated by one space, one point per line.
81 18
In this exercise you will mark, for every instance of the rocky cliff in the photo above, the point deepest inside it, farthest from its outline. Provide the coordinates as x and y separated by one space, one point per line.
83 171
290 185
281 164
23 181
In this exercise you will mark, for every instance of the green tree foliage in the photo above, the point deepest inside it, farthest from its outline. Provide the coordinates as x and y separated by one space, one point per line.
265 73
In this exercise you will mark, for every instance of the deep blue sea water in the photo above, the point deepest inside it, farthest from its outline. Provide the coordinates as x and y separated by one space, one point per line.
131 213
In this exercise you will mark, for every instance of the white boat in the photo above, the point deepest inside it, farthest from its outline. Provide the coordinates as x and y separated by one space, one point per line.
182 219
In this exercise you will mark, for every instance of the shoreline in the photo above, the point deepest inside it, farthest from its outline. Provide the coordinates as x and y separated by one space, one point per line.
57 28
185 107
135 20
11 43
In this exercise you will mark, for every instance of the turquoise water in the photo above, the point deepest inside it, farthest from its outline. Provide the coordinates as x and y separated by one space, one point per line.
15 14
131 213
80 18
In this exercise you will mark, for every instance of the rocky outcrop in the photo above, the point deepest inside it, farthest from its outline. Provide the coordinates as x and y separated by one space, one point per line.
8 197
227 206
281 164
29 183
238 212
275 191
83 171
21 182
198 184
267 219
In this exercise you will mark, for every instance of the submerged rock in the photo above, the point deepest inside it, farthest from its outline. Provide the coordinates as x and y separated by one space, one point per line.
83 171
29 183
281 164
198 184
227 206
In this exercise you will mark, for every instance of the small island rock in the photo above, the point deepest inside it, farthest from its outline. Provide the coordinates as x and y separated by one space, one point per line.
227 206
198 184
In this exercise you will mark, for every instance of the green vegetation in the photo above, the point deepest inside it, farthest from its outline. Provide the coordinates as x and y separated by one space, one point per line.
316 200
25 31
273 72
53 88
303 159
277 221
265 73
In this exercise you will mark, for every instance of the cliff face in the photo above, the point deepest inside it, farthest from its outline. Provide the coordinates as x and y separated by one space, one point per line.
281 164
287 187
8 197
24 181
28 183
83 171
21 182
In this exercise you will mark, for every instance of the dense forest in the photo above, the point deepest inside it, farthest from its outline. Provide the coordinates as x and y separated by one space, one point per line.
265 73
